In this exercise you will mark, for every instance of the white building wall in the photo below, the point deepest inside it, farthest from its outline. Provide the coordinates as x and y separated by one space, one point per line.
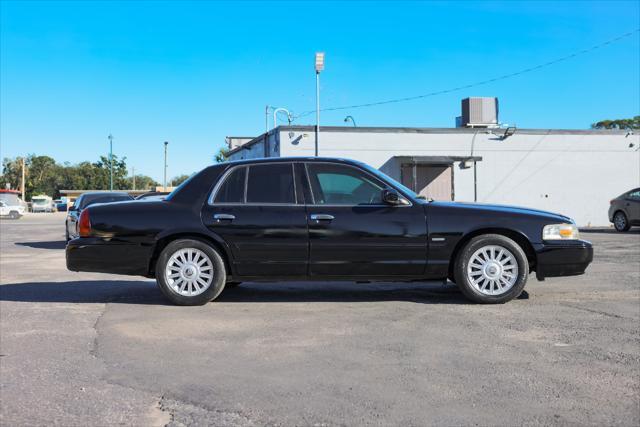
570 172
257 150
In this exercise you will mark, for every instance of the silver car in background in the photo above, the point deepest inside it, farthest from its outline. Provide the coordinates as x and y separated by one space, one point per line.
624 210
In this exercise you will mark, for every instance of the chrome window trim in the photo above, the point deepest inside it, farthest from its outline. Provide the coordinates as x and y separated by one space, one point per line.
223 178
375 178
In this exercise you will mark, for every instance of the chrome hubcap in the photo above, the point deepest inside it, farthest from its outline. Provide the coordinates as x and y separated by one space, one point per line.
189 272
492 270
619 221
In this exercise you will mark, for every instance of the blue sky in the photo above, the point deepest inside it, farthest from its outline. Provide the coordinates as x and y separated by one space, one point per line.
194 72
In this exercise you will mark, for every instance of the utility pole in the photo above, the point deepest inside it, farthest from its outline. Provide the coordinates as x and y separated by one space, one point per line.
133 173
266 119
164 184
319 68
22 186
110 161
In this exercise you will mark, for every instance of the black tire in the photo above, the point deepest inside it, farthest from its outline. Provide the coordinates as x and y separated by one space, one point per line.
464 257
219 273
14 215
621 222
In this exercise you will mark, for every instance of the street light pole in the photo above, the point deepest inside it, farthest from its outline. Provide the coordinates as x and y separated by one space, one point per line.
110 162
319 68
164 184
22 186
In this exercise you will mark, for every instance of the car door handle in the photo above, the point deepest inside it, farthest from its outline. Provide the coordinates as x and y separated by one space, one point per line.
321 217
224 217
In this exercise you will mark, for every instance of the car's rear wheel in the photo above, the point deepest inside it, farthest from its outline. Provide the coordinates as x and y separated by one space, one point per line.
14 215
491 269
620 221
190 272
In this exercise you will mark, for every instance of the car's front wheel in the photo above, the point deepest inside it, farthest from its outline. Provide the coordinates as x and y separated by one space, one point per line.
14 215
491 269
190 272
620 221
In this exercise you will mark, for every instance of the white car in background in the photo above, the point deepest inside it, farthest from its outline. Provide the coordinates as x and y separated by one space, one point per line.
42 204
11 211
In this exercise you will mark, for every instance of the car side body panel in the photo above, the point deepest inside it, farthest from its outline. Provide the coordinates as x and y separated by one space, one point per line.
282 242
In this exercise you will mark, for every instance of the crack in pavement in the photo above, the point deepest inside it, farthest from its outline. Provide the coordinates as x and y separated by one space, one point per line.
186 414
170 412
590 310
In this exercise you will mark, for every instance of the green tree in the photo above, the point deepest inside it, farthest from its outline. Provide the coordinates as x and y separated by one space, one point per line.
633 123
11 173
103 174
221 155
143 182
177 180
41 175
44 176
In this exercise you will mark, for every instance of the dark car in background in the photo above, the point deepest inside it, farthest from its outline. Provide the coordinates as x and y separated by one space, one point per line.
320 219
61 205
624 210
85 200
153 195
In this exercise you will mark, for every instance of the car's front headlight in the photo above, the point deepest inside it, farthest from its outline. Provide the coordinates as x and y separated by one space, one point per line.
560 232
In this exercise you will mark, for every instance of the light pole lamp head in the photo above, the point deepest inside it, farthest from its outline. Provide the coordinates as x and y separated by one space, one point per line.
319 61
166 143
350 119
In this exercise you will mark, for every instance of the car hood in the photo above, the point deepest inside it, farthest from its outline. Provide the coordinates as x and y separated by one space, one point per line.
506 209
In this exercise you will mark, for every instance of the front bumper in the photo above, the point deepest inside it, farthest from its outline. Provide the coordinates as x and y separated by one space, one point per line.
107 256
563 258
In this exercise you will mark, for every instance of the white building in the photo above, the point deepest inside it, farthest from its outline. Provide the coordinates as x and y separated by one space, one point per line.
573 172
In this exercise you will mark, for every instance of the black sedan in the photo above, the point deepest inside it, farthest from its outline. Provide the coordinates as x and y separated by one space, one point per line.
320 219
85 200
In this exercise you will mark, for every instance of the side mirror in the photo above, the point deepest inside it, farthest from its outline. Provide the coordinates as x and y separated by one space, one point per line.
73 208
392 197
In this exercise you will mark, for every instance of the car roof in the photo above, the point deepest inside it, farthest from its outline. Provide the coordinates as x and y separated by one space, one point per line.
291 159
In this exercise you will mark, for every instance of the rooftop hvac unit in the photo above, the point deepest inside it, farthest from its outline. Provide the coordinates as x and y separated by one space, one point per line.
480 112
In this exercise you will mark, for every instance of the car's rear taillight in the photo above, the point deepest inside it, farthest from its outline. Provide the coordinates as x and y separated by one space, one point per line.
84 224
611 201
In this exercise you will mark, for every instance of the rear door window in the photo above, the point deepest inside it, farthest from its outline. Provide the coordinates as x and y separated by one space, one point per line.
271 183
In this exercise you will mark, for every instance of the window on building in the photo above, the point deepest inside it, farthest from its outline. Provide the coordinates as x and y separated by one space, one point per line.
271 183
232 190
342 185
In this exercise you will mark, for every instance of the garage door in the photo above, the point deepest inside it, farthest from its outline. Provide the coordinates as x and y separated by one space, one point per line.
431 181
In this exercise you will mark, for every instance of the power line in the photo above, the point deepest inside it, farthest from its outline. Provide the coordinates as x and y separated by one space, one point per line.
483 82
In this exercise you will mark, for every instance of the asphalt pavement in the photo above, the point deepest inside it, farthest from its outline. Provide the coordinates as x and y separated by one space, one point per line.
81 349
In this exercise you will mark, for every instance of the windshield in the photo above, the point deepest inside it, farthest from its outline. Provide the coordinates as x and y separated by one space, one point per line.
39 201
387 178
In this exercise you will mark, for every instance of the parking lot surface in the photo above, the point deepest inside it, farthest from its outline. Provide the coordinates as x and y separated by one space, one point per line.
94 349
